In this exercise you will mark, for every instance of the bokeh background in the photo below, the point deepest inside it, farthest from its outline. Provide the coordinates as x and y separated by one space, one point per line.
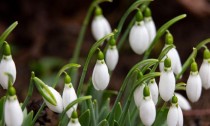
46 35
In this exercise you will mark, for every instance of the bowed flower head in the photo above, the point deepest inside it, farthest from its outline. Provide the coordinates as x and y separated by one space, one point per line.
154 90
74 120
7 65
100 26
138 93
183 103
13 114
194 86
112 54
149 23
204 71
167 81
138 36
69 95
100 76
147 108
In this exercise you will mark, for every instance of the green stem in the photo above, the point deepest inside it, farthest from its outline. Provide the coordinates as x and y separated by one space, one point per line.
160 32
37 114
91 52
90 106
181 88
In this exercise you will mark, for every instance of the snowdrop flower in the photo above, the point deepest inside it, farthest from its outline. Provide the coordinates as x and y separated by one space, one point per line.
154 90
69 95
175 115
112 54
100 26
74 120
138 93
183 103
172 54
147 108
13 113
100 76
149 23
167 81
138 36
194 86
204 71
7 65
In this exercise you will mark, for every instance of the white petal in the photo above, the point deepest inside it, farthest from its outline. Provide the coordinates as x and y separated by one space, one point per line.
138 95
100 77
166 85
194 87
59 107
12 112
112 57
147 112
7 65
150 25
107 27
75 122
183 103
154 91
69 95
180 117
204 73
172 117
139 38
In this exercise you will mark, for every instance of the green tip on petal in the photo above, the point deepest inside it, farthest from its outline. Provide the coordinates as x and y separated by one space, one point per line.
167 62
169 38
139 16
98 11
112 41
100 55
139 75
6 49
11 91
146 91
147 12
174 99
206 54
194 67
74 115
67 79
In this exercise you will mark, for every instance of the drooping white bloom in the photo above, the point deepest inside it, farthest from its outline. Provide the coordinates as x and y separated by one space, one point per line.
204 73
167 81
150 25
13 114
7 65
194 87
59 106
112 57
100 76
139 38
74 122
154 90
69 95
180 117
183 103
138 95
173 116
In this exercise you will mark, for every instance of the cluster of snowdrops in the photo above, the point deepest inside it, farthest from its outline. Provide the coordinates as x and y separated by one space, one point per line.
144 93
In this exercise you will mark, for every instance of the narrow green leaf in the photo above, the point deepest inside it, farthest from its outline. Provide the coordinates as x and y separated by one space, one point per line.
84 119
2 101
103 123
118 111
105 109
95 106
65 120
116 123
161 117
28 119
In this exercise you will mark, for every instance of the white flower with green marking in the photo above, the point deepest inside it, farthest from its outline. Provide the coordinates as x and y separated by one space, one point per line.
74 120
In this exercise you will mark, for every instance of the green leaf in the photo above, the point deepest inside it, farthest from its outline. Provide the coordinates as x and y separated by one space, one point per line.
118 111
116 123
95 106
28 119
2 101
105 109
103 123
64 121
84 119
161 117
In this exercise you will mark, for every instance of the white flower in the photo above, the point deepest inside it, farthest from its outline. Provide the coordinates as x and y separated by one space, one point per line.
112 57
150 25
204 73
138 95
12 112
139 38
172 117
59 106
74 122
183 103
7 65
167 81
154 90
100 76
194 87
180 117
69 95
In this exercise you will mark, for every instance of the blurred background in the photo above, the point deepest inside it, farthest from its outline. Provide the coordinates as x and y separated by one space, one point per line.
46 35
